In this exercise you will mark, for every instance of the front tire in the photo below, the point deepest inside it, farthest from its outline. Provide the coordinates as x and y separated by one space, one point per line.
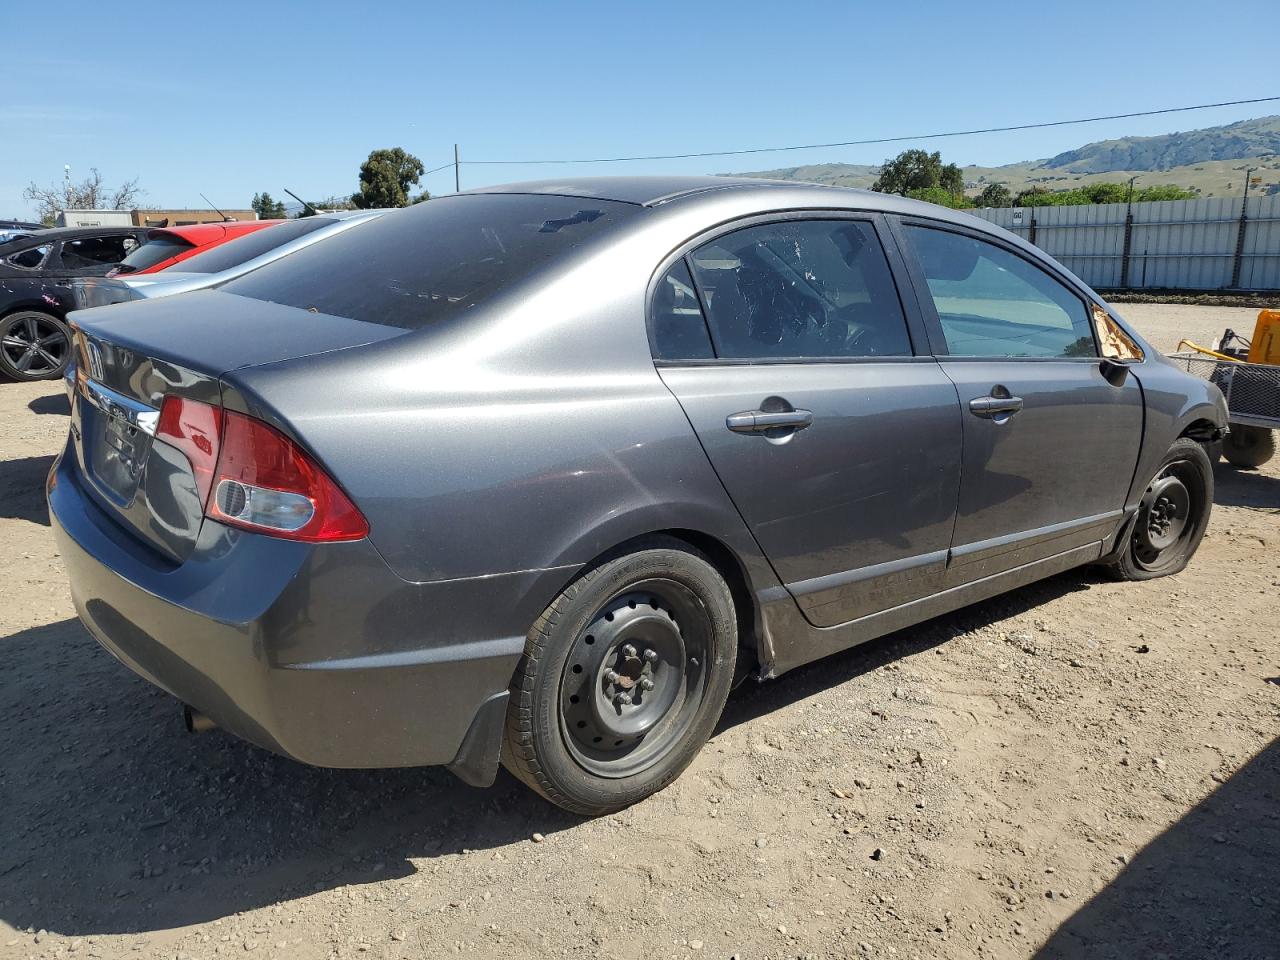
33 346
623 679
1172 517
1248 446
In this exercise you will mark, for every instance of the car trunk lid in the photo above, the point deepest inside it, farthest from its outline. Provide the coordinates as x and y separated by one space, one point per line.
134 355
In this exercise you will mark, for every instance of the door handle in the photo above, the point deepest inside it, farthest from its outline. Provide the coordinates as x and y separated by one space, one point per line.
994 407
761 421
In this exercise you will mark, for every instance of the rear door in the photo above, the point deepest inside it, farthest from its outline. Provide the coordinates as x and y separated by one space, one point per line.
1050 443
790 350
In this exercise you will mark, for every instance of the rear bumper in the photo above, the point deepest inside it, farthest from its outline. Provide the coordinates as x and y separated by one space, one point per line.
317 652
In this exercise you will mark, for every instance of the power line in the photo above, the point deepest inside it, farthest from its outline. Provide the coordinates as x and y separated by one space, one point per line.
876 140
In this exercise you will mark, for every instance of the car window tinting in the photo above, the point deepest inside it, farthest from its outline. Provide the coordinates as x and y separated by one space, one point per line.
679 331
801 289
96 251
992 303
242 249
419 265
160 246
30 258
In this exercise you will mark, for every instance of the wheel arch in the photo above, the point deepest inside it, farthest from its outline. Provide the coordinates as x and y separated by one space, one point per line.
729 563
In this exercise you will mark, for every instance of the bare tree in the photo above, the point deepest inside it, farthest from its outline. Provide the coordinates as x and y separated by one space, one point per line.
91 193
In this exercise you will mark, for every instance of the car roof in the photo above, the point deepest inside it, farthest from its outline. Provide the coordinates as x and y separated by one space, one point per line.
645 191
202 233
663 191
64 233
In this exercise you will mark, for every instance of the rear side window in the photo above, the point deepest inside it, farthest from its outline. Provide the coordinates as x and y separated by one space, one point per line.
30 258
803 289
416 266
242 249
992 303
679 331
159 246
96 251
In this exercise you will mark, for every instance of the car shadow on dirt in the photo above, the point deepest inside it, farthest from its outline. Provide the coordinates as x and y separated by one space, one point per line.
22 488
1206 887
56 404
120 822
1234 487
752 700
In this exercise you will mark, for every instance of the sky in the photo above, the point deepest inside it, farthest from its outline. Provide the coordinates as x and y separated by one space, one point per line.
229 98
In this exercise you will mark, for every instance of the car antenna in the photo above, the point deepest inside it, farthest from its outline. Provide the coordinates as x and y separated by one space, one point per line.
225 218
304 203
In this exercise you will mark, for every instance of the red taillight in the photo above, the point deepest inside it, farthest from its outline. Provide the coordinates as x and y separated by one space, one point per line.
252 476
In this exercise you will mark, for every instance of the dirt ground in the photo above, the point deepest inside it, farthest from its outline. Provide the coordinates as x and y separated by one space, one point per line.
1078 769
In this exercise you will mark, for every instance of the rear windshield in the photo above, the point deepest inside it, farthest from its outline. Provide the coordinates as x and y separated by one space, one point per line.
416 266
242 249
159 246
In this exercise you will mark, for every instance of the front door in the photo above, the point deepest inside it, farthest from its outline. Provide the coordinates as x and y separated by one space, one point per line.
839 447
1050 443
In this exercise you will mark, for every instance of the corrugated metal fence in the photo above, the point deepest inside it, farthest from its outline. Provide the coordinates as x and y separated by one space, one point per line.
1171 244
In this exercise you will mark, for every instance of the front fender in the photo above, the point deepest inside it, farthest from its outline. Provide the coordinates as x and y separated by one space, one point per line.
1176 403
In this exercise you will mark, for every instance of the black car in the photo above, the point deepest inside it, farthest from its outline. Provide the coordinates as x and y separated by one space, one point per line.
35 292
17 229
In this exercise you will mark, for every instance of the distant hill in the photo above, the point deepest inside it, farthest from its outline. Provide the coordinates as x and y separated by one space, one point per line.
1235 141
1211 160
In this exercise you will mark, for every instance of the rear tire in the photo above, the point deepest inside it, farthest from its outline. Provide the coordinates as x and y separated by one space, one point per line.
1248 446
33 346
623 679
1172 518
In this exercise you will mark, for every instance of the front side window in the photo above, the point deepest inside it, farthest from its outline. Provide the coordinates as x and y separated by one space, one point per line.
992 303
97 251
30 258
679 332
801 289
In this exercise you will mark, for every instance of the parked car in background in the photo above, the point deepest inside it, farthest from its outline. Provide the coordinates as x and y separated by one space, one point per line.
169 245
15 229
36 272
535 473
222 263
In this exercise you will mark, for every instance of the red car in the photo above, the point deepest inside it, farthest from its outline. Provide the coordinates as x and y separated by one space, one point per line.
166 246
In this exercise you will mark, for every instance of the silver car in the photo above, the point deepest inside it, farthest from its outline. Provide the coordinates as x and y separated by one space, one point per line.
222 263
534 474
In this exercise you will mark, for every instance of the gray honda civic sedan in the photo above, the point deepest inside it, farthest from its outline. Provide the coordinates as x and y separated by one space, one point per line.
532 475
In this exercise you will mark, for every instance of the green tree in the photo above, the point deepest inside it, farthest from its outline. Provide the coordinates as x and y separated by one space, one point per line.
995 195
385 179
1167 191
918 170
266 207
942 197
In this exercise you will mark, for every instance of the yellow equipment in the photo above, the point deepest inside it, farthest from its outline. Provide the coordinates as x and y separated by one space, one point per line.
1265 345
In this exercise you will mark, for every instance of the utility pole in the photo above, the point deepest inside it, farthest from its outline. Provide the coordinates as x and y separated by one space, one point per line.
1128 236
457 178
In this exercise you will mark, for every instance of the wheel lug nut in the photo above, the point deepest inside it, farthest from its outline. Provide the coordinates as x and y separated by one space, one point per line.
611 675
628 651
651 655
624 699
646 683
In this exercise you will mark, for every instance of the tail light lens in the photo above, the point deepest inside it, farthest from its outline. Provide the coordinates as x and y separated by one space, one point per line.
250 475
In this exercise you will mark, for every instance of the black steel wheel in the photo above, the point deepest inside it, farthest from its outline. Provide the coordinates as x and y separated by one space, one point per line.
1172 516
33 346
623 679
